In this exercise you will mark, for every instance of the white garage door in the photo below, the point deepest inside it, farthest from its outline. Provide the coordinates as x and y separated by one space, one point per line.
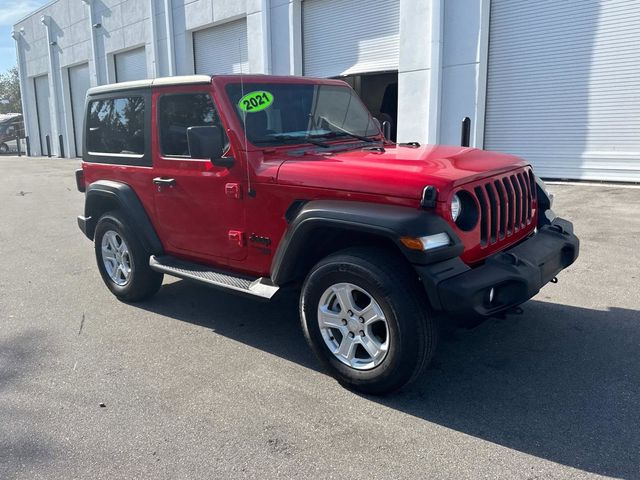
78 86
222 49
131 65
563 88
342 37
41 85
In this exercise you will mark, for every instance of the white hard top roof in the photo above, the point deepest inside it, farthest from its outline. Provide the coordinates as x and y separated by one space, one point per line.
154 82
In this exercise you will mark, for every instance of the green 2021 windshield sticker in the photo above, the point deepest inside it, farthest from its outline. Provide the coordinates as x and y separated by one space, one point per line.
255 101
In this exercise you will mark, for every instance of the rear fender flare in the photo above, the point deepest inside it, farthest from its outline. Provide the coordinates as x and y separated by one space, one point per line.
105 195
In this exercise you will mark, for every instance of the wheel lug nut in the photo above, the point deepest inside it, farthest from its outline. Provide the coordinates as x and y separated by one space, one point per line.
344 322
351 335
362 333
361 320
350 313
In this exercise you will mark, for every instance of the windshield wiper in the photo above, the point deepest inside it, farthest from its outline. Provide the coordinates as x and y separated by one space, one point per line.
306 139
339 130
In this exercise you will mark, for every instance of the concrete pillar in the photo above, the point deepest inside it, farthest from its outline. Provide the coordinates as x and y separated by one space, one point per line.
52 76
295 37
171 56
420 70
24 92
94 71
285 32
259 36
155 67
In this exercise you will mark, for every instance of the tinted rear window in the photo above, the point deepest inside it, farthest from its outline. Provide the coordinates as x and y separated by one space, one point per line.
116 126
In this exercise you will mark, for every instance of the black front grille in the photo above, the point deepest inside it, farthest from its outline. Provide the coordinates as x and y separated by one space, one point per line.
506 205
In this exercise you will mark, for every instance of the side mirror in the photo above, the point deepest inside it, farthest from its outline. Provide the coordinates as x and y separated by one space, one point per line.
208 142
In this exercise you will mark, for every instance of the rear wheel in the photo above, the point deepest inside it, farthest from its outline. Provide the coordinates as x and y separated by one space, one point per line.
122 260
366 319
4 148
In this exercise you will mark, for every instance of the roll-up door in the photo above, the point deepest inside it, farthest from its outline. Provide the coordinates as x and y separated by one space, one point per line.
563 87
78 86
131 65
221 49
41 85
342 37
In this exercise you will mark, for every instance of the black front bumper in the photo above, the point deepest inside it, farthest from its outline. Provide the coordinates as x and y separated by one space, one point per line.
515 275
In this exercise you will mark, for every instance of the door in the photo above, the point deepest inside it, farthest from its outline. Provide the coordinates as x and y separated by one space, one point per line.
41 85
131 65
341 37
78 86
199 207
563 87
221 49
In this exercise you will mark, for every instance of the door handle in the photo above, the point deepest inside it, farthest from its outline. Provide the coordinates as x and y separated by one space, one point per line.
164 182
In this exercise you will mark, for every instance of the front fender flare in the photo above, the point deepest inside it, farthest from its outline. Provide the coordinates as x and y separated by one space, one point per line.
388 221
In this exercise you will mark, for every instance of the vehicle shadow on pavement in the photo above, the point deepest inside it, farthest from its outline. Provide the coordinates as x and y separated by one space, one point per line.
559 382
21 443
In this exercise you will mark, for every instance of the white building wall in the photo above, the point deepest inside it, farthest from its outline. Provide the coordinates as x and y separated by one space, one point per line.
440 65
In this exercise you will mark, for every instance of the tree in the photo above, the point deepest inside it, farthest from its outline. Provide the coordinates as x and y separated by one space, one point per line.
10 92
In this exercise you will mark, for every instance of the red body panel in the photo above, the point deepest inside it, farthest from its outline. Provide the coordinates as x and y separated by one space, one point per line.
202 219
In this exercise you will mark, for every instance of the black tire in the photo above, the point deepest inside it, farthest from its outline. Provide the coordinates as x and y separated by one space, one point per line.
142 282
4 148
391 282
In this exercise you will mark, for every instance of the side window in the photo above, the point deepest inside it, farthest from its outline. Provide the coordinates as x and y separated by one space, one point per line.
176 113
116 126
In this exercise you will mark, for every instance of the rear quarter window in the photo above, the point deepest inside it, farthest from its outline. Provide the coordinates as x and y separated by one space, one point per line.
117 129
116 125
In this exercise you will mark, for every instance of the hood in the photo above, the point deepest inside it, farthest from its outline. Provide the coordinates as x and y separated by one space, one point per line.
398 171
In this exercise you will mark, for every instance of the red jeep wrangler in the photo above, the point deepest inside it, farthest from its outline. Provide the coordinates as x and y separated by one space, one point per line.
250 183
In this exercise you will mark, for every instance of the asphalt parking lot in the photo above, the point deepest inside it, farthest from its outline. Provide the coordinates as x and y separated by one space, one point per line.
201 384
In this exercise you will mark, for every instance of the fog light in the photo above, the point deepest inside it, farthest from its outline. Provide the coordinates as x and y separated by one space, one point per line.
489 297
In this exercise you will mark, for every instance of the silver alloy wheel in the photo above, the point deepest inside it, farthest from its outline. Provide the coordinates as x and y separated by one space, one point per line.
116 257
353 326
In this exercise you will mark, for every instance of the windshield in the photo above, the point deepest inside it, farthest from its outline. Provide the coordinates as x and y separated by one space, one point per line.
280 114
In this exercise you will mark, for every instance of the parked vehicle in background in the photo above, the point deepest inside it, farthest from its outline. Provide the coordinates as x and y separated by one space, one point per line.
252 183
11 127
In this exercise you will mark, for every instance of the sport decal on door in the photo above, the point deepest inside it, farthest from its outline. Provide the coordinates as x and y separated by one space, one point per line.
255 101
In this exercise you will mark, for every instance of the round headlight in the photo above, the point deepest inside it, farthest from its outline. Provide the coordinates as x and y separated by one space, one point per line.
464 210
456 207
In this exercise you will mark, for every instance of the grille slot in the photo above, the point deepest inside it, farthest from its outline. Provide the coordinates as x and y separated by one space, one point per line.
518 203
506 205
503 211
493 212
483 216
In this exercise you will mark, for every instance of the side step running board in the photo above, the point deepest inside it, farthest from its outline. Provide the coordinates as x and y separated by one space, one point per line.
257 287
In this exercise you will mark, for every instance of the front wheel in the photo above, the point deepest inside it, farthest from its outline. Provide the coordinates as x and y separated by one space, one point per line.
4 148
122 260
364 316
